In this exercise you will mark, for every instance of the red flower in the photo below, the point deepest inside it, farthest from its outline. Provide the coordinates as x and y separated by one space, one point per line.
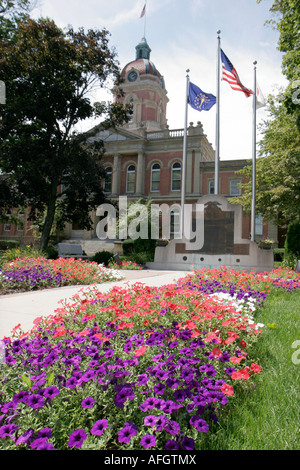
227 389
140 351
217 352
255 368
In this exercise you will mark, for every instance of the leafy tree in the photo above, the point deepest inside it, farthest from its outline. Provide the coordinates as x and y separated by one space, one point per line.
10 11
49 75
277 169
286 18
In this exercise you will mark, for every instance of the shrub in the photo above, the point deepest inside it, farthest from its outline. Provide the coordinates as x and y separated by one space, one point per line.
51 252
20 252
128 246
144 245
7 244
102 257
292 243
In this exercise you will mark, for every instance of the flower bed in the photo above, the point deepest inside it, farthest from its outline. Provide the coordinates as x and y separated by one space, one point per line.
139 368
37 273
126 264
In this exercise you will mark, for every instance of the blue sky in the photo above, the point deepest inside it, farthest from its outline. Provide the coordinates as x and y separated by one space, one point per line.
182 35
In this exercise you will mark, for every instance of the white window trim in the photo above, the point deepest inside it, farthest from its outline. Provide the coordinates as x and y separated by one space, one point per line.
172 172
230 188
155 170
110 173
127 173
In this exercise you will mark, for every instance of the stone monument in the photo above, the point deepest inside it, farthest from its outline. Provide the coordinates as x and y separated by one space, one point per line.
213 238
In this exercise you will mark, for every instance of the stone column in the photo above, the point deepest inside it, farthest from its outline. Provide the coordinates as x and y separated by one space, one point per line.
140 177
116 176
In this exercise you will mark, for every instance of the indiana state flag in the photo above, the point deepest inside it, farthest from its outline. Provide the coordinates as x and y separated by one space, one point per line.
200 100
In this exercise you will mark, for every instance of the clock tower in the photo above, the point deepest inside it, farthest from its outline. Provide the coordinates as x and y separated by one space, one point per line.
144 88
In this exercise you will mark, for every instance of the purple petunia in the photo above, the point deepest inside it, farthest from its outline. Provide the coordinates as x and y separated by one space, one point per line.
99 427
8 429
199 424
149 403
148 441
180 395
150 420
20 397
126 433
51 392
171 445
162 374
142 379
187 443
44 433
172 427
72 382
77 438
41 444
159 389
26 437
230 370
88 402
35 401
124 392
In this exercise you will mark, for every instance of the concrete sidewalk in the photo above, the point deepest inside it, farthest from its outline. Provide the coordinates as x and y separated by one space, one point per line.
25 307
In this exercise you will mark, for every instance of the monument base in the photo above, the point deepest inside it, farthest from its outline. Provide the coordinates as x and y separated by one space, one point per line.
219 226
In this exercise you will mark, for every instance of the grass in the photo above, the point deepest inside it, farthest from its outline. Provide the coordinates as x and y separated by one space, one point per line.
268 418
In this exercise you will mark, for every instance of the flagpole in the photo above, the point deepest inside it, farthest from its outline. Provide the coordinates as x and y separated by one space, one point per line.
145 19
253 159
184 154
217 155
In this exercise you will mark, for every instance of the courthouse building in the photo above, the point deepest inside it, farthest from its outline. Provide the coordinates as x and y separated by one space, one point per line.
143 158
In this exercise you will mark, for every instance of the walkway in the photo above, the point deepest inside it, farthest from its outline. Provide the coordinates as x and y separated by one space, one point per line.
25 307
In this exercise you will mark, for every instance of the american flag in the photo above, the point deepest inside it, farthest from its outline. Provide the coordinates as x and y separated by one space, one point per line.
230 75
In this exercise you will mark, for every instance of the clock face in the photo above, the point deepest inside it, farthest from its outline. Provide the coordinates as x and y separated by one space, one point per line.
132 76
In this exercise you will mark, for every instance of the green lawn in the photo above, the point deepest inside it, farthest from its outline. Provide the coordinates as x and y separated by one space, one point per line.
268 416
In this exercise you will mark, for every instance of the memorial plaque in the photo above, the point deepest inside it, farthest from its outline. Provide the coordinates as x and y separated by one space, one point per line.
218 231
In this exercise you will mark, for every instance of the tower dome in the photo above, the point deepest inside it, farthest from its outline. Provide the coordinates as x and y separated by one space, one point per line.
142 62
144 88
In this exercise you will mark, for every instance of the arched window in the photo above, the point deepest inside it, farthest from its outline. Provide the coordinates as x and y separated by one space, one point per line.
155 177
130 181
176 177
107 180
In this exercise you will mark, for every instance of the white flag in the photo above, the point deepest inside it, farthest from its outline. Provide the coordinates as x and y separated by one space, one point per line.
260 99
143 11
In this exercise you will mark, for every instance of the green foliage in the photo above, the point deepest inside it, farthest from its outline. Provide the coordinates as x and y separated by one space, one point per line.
293 239
286 18
20 252
277 169
127 246
49 74
102 257
51 252
141 245
278 254
8 244
141 210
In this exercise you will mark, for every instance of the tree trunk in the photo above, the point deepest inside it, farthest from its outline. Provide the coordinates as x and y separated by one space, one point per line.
49 219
